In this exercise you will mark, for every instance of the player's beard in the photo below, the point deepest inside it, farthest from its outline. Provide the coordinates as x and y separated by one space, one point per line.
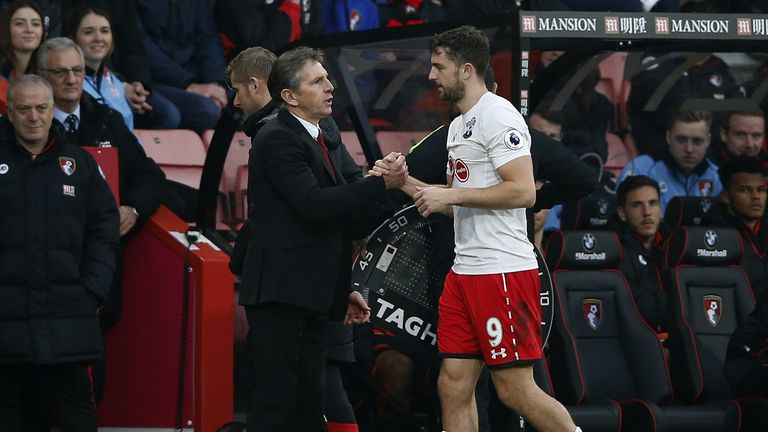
455 93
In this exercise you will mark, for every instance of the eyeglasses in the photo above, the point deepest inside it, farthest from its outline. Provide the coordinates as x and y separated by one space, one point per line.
77 71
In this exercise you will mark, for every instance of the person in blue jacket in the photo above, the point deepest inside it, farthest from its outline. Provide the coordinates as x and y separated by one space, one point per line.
682 169
186 58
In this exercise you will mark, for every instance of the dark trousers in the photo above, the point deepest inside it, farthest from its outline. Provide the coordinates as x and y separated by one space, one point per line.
28 393
289 346
197 112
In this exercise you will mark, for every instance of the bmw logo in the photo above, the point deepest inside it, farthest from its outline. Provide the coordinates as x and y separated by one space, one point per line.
710 239
588 241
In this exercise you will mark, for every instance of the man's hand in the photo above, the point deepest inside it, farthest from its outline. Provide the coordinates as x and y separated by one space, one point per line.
434 200
128 219
358 311
392 168
136 95
214 92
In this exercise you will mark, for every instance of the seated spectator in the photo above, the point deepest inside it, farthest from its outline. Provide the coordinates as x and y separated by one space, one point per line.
128 58
587 116
749 87
637 224
186 58
743 134
91 29
257 23
742 206
87 123
21 32
350 15
548 122
683 169
692 75
746 360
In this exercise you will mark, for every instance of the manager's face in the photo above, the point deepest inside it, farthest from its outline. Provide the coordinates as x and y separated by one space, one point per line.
314 97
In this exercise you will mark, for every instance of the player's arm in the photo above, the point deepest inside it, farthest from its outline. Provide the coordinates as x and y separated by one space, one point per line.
517 190
412 185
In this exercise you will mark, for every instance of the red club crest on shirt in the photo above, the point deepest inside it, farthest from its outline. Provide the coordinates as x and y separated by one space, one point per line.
706 187
67 165
461 170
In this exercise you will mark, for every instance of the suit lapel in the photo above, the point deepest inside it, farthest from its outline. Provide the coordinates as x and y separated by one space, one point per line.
302 132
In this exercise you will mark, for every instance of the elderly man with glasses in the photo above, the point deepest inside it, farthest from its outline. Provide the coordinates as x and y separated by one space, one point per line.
88 123
682 169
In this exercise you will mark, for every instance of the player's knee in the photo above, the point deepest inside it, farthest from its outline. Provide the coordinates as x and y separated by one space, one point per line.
455 386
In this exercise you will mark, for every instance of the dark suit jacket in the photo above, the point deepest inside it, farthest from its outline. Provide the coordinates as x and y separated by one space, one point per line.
299 251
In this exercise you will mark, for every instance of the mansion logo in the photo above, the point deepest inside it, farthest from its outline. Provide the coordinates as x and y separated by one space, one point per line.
666 25
752 26
533 24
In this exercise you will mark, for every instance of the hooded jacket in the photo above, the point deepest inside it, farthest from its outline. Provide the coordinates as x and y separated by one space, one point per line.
60 230
703 180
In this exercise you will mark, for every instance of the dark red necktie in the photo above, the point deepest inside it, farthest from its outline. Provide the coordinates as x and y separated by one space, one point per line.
326 156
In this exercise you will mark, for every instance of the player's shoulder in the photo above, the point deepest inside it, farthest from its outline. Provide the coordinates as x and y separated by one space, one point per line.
500 115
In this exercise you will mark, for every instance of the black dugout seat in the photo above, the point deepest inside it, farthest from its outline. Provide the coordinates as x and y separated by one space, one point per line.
688 210
711 295
591 212
602 349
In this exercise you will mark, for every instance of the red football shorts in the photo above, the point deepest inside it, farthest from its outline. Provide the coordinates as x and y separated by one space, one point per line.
495 317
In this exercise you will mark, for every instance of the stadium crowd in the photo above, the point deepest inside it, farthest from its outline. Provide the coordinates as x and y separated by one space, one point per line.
76 74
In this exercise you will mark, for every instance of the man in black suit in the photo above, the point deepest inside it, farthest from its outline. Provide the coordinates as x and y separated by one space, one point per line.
297 265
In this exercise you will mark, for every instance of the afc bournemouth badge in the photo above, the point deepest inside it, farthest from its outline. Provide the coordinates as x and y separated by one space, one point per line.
706 187
713 307
67 165
593 312
468 128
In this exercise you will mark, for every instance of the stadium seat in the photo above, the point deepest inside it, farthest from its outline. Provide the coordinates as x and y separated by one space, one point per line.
605 87
687 210
591 212
241 193
501 62
597 325
618 155
612 70
179 152
237 158
711 295
350 140
626 87
629 143
398 141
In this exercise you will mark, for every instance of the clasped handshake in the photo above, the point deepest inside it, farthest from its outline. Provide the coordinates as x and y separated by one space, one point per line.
392 169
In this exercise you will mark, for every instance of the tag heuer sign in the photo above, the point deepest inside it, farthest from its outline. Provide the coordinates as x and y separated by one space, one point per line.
401 275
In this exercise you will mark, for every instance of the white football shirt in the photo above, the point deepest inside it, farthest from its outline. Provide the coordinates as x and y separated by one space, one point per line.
480 141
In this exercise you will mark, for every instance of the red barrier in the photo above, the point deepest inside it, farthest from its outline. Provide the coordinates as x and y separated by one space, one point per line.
143 349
